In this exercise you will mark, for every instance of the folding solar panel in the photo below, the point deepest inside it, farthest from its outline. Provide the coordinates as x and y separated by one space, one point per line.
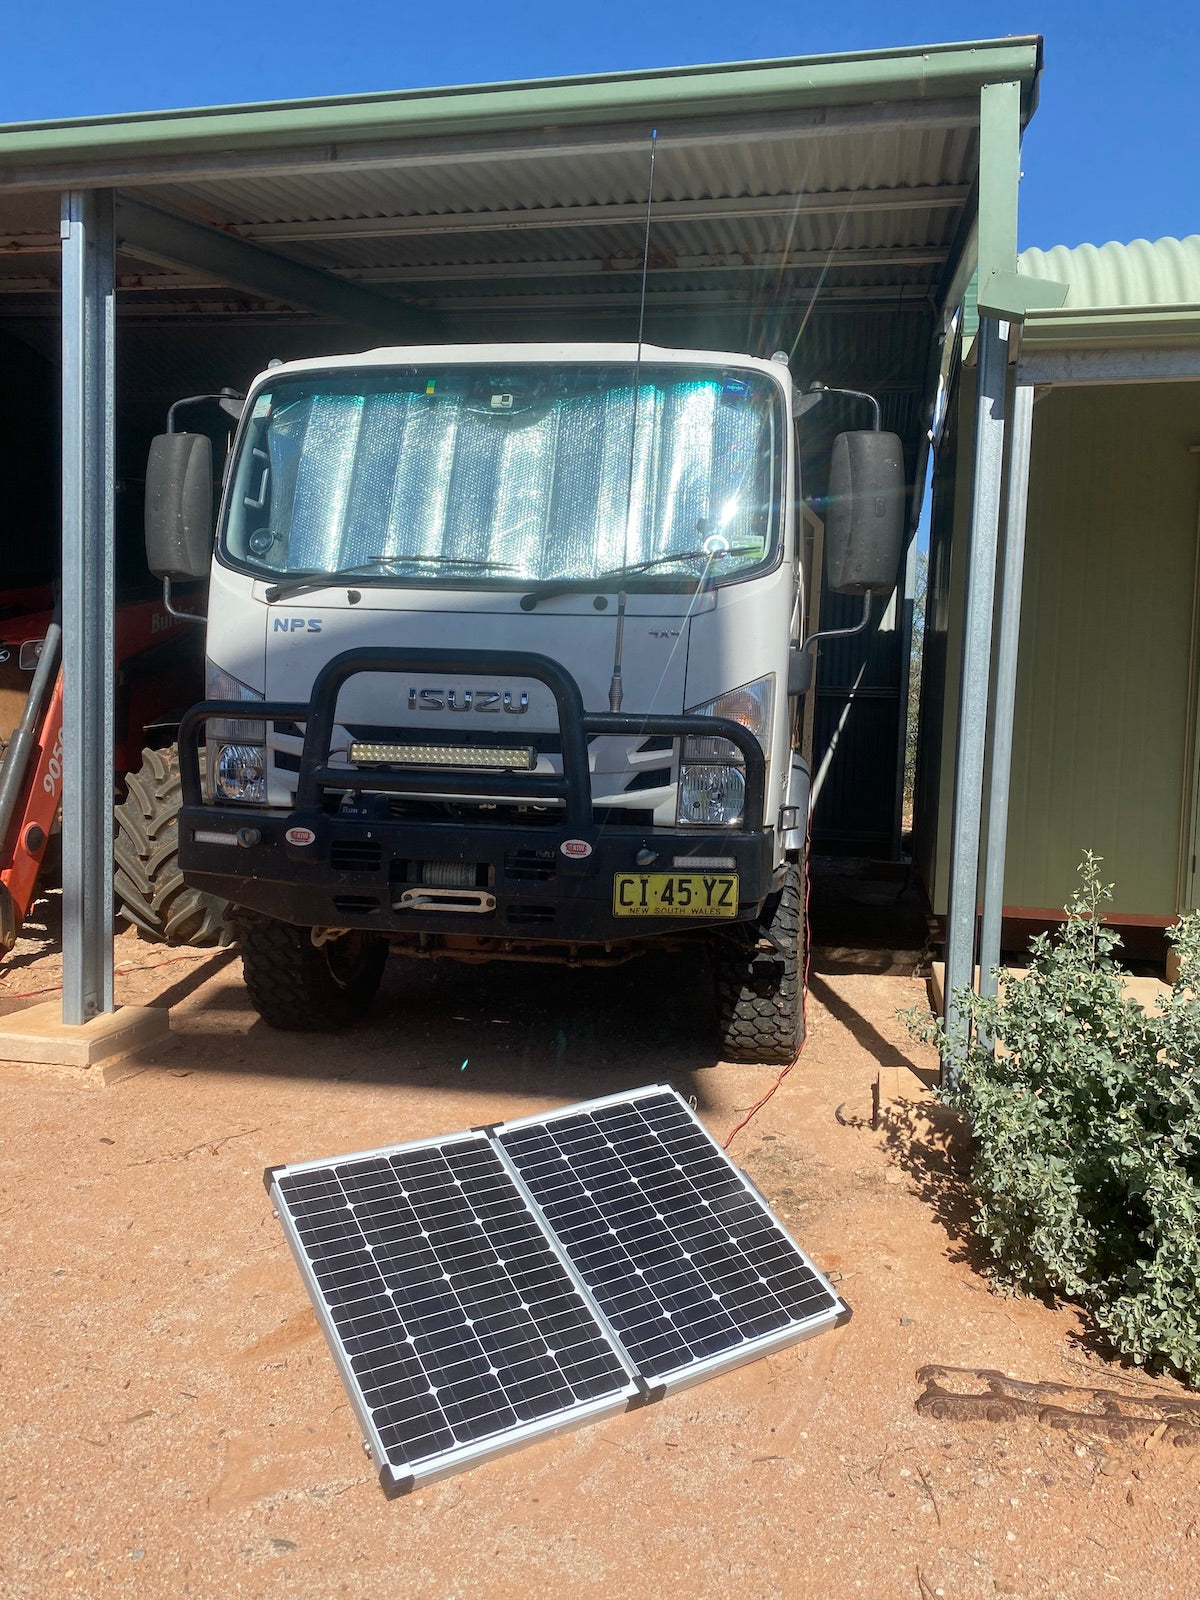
493 1287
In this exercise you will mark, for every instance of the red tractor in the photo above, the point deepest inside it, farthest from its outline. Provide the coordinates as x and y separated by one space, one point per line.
159 671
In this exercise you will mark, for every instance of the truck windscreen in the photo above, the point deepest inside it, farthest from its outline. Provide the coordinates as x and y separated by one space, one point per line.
458 474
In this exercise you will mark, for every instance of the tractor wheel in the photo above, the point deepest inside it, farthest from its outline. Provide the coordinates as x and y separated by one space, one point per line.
760 992
150 890
305 988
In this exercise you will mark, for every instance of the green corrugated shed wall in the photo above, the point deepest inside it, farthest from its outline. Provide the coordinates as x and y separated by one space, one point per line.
1101 756
1104 754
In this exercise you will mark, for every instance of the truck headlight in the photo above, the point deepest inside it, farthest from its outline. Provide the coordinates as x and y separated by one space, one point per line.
712 782
711 796
237 770
240 773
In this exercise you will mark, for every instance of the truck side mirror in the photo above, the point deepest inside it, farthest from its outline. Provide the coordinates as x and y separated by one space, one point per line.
864 515
179 509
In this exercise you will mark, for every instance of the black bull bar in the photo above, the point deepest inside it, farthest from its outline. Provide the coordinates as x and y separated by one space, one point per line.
572 790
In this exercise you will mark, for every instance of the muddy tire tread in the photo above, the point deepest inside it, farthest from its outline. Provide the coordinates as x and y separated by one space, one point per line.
761 1018
290 984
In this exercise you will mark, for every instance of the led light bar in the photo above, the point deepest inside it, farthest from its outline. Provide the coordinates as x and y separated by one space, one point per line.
519 759
701 863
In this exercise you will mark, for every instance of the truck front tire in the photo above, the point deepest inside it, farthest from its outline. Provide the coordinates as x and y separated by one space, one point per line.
760 980
149 886
301 987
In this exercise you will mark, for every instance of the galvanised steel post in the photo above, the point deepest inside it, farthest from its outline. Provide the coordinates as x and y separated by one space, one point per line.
966 823
999 177
88 325
1008 627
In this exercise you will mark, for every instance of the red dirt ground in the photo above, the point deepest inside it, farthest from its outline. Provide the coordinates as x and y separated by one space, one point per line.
172 1423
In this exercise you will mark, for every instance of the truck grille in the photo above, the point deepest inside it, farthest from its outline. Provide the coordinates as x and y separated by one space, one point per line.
530 866
355 855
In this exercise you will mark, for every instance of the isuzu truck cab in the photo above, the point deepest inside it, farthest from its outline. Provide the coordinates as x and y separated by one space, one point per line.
505 654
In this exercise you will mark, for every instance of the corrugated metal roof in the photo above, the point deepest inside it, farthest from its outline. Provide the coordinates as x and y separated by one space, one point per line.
1134 276
770 214
778 185
849 162
920 73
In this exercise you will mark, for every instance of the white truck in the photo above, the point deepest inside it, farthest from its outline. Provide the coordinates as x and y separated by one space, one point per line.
505 655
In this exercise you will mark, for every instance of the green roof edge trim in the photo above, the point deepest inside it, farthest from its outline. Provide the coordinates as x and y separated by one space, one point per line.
1155 326
917 73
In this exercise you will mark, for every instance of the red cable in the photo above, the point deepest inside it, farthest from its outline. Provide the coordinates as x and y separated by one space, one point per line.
755 1109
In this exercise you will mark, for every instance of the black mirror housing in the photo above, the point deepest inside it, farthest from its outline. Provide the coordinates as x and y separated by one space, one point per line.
864 516
179 506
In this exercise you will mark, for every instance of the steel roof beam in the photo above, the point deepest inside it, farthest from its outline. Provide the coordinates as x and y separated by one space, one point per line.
484 147
30 243
614 266
1112 363
197 274
170 240
926 197
892 298
152 294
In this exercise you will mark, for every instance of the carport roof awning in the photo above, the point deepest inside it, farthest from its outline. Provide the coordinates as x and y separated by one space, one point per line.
822 205
117 148
841 178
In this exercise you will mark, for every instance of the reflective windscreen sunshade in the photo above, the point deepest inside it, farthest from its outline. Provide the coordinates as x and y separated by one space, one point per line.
492 1287
535 473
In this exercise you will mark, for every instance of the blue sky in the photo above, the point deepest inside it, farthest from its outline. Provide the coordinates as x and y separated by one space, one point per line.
1114 151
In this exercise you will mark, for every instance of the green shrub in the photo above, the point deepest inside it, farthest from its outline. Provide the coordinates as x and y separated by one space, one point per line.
1086 1126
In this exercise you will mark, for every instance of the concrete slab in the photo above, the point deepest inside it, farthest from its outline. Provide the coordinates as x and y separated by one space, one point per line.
38 1037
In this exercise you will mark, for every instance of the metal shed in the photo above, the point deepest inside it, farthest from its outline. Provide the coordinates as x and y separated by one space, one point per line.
1099 613
832 206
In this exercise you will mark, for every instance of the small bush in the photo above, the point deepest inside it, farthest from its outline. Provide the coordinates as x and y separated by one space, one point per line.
1086 1126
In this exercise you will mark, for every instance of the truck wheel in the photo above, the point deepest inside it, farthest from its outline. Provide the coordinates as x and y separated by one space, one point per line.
303 988
149 886
760 994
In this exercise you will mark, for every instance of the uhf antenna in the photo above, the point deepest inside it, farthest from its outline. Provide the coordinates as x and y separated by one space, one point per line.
615 689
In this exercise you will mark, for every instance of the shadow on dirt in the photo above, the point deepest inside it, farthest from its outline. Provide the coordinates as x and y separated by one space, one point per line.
189 979
499 1029
539 1030
865 1033
866 916
932 1144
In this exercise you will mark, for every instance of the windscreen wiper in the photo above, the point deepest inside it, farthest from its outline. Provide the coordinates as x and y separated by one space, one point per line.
556 586
326 580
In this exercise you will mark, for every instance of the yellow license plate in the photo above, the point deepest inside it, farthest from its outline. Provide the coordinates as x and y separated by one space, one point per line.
675 894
